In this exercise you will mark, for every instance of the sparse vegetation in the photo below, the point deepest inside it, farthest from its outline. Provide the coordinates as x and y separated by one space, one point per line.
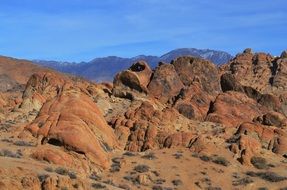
23 143
64 171
124 186
115 167
72 175
42 177
263 188
142 168
157 187
7 140
95 177
268 176
8 153
160 181
213 188
149 156
177 182
49 169
98 186
220 160
259 162
61 171
129 154
242 181
204 158
177 155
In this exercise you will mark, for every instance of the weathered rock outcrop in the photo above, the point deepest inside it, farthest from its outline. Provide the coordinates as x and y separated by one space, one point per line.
251 137
233 108
145 127
193 102
73 120
191 69
42 87
136 78
165 83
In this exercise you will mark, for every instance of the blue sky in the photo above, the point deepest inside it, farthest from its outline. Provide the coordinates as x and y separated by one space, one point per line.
80 30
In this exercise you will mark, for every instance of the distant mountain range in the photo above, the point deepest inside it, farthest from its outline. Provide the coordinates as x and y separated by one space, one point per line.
104 69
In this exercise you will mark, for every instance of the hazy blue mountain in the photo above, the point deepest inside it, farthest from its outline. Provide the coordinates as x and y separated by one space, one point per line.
104 69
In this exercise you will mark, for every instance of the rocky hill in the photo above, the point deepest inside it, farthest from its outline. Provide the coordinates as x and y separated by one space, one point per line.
104 69
187 124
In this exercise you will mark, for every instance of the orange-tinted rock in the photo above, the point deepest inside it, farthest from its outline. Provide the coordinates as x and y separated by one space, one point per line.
233 108
193 102
273 119
149 128
42 87
72 120
165 83
251 137
191 69
135 78
54 156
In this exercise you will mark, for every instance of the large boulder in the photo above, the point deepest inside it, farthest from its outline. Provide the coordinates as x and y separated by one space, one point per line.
72 120
165 83
193 102
136 78
192 69
233 108
41 87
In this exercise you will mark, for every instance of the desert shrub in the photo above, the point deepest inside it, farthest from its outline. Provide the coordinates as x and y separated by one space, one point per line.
220 160
49 169
8 153
124 186
129 178
7 140
160 181
149 156
268 176
129 154
157 187
98 186
116 160
156 173
42 177
264 188
62 171
142 168
23 143
204 158
242 181
195 155
95 177
259 162
177 182
213 188
177 155
115 167
72 175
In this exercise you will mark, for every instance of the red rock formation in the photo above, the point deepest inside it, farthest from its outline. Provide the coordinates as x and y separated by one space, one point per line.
135 78
193 102
73 120
233 108
251 137
191 69
165 83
